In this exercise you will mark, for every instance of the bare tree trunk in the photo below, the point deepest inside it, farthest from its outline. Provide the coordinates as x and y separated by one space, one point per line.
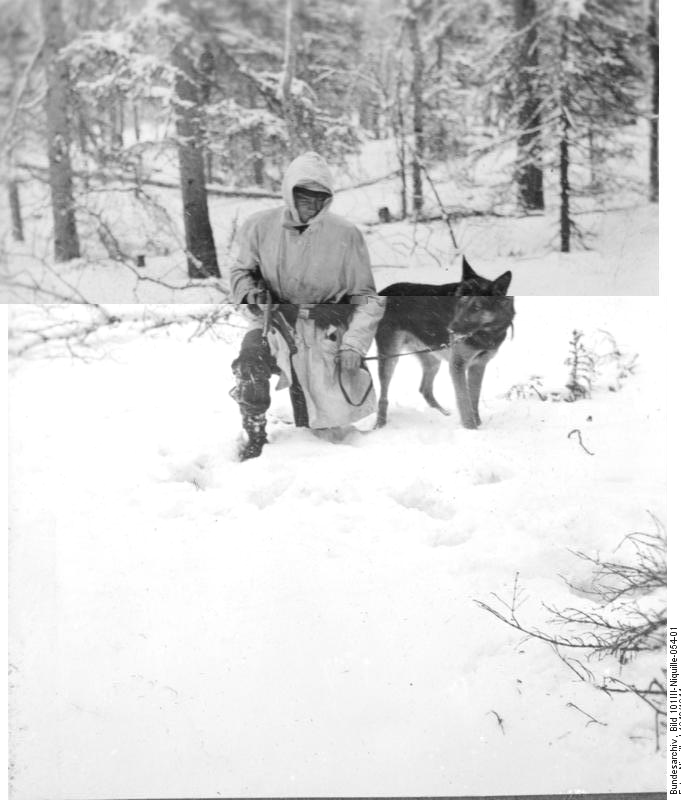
529 174
116 123
412 25
12 185
290 46
82 129
120 133
594 153
66 244
138 157
401 145
201 256
15 206
654 51
113 145
255 136
136 121
564 188
564 160
207 78
440 145
402 157
100 139
258 160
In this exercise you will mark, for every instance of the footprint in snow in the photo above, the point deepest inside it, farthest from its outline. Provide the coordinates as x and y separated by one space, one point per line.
487 475
270 491
450 538
194 472
426 498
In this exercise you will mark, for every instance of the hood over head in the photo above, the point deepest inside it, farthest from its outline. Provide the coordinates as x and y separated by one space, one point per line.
311 172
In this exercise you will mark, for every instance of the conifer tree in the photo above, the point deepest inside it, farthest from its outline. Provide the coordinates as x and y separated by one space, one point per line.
586 87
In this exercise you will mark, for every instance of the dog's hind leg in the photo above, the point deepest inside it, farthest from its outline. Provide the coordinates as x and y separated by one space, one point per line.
430 365
388 342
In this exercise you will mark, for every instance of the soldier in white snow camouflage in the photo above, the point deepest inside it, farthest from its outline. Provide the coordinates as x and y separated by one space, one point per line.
316 265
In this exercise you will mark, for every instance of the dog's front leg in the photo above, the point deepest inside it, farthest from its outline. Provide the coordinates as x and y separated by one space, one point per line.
457 369
386 367
476 373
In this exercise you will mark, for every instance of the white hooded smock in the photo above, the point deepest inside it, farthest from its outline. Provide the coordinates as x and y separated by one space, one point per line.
322 263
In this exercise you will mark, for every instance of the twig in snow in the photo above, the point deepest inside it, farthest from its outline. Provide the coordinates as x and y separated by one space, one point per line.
581 443
499 720
592 720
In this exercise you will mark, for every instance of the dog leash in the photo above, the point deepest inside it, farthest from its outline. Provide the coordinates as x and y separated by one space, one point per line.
454 337
347 396
409 353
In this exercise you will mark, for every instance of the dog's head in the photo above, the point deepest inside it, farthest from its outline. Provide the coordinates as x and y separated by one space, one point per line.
482 304
477 312
474 284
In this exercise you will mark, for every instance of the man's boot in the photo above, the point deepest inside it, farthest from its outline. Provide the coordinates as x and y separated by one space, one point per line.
255 427
252 371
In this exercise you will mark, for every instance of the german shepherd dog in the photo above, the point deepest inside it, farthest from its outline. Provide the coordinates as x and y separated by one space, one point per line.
461 323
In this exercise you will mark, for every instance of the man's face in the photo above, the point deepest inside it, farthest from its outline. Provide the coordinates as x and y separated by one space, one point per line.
308 203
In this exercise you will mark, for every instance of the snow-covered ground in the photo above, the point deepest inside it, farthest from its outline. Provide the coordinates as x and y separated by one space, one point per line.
305 623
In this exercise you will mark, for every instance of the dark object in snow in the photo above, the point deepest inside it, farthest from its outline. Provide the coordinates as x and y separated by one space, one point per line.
384 214
141 261
461 323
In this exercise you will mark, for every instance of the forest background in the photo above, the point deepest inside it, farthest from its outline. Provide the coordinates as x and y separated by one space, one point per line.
137 136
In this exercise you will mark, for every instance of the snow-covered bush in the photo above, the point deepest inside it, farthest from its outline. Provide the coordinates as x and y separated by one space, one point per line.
616 637
593 361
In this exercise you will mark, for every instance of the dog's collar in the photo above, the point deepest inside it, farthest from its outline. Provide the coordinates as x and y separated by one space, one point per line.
486 337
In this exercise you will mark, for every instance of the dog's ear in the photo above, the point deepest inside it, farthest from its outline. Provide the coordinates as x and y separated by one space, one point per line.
467 272
501 284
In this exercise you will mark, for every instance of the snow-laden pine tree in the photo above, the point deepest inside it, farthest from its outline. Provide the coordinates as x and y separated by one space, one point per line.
420 81
157 61
216 82
591 91
581 95
291 36
331 43
454 36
